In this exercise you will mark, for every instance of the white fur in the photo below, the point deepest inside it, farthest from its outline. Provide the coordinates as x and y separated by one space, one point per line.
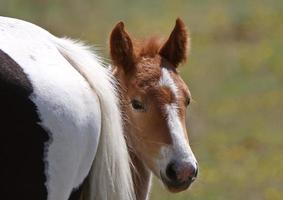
167 81
77 104
111 169
180 148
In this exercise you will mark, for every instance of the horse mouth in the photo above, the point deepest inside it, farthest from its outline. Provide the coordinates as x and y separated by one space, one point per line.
175 187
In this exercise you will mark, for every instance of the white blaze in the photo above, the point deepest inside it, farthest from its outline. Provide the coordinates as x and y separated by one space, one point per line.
180 148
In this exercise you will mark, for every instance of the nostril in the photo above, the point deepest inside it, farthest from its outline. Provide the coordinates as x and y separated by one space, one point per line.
181 172
171 171
188 171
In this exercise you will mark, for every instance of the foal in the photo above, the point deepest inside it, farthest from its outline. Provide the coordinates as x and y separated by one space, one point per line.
154 100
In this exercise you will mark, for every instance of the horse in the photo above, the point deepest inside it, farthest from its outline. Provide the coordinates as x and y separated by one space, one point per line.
61 128
154 99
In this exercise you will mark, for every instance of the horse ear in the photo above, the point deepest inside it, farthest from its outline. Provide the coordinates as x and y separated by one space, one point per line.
121 48
175 48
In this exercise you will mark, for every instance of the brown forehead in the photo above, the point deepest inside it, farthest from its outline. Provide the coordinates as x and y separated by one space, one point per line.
148 74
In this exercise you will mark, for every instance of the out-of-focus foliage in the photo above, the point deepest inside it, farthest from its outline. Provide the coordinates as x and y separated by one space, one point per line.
235 73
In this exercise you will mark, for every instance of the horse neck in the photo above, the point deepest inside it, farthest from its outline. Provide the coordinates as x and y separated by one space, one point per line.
141 178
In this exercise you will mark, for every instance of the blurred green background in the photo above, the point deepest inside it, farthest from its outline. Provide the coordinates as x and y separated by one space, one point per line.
235 73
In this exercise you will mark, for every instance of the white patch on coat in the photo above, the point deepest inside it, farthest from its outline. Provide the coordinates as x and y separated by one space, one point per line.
180 148
70 111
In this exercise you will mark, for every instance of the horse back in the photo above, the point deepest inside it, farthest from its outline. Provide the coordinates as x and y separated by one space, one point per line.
50 117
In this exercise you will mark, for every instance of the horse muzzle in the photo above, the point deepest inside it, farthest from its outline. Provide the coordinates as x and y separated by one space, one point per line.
179 175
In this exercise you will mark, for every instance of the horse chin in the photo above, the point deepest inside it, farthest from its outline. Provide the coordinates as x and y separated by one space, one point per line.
175 187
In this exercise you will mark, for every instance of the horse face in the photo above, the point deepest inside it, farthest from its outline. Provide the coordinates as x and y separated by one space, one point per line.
155 100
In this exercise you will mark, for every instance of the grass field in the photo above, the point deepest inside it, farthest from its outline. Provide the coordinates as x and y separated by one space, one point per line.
235 73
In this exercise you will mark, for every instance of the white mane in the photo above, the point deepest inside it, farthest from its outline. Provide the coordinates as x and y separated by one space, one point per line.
110 176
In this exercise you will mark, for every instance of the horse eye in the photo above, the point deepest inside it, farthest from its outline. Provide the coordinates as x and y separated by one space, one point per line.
137 105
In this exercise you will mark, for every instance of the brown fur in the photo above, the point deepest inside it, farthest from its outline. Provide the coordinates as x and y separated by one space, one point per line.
137 67
149 47
121 47
126 52
175 49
